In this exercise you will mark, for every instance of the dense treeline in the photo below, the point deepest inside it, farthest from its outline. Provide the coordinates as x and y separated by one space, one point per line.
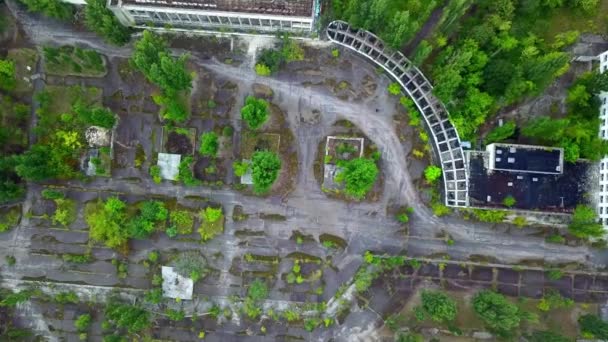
499 59
396 22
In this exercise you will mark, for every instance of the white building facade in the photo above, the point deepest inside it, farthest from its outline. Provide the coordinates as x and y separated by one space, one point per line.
602 209
249 16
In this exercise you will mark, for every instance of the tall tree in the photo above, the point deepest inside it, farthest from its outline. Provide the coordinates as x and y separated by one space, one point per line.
99 19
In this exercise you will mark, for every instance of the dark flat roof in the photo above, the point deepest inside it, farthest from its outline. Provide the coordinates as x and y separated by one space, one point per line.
297 8
532 191
527 158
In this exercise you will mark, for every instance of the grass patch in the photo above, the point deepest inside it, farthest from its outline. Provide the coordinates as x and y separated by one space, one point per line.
565 19
70 60
23 59
252 142
10 218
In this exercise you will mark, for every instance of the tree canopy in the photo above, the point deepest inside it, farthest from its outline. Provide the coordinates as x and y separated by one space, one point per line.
584 223
7 75
265 167
255 112
358 176
594 326
499 314
209 144
99 19
51 8
106 222
127 316
438 306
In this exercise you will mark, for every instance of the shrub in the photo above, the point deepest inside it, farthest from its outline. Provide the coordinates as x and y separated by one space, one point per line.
358 176
440 209
265 167
83 322
153 256
498 313
258 290
240 168
182 220
432 173
185 172
500 133
107 222
102 21
212 223
335 53
509 201
438 306
209 144
127 316
262 69
65 213
593 326
584 223
255 112
155 173
555 238
491 216
191 265
394 88
77 258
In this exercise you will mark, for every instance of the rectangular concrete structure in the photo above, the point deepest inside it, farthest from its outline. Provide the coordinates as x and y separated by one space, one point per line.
296 16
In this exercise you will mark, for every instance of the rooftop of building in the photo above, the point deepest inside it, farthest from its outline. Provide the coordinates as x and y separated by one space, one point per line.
296 8
526 158
531 191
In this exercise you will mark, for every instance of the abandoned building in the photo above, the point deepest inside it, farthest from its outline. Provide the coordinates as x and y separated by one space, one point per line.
297 16
533 177
602 196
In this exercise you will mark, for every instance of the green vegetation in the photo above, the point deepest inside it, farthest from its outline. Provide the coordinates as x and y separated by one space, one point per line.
553 300
584 223
491 216
65 212
509 201
270 60
152 216
185 172
498 55
191 265
182 221
212 223
77 258
102 21
107 221
10 219
499 315
395 22
153 58
432 173
593 327
578 132
438 306
254 112
258 290
51 8
71 60
127 316
7 75
394 88
240 168
358 176
155 173
209 144
265 168
500 133
547 336
83 322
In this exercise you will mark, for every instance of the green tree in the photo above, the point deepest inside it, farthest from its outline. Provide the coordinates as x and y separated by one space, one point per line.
130 317
42 162
584 223
498 313
7 75
255 112
209 144
432 173
99 19
593 327
258 290
438 306
51 8
212 214
394 88
151 213
265 168
83 322
422 52
153 59
358 176
107 222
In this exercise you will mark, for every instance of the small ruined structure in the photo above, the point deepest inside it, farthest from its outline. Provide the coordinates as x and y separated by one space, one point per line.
176 286
333 155
169 165
536 177
242 15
